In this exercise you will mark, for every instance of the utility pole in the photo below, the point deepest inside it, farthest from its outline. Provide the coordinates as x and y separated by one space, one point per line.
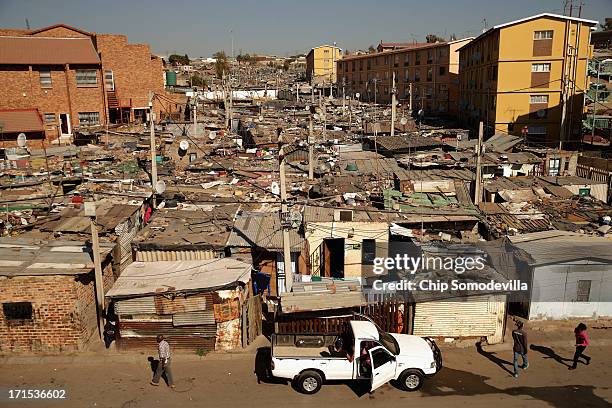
310 150
90 210
595 105
285 212
153 147
478 189
410 105
195 112
332 78
393 105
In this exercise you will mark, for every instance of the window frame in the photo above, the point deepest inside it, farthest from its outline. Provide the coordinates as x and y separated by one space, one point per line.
6 306
531 99
541 64
535 34
89 122
44 84
87 81
46 118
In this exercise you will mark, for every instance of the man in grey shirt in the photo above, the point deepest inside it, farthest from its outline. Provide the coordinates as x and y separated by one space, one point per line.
163 349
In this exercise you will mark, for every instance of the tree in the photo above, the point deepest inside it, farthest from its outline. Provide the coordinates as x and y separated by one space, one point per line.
432 38
371 49
178 59
198 80
221 64
347 52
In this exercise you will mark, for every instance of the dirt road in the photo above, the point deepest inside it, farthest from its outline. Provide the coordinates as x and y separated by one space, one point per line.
469 378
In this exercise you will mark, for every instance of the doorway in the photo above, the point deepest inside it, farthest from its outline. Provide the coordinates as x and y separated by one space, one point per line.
332 256
65 124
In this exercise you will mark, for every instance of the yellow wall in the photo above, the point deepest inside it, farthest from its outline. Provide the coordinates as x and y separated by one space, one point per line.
317 232
321 65
512 89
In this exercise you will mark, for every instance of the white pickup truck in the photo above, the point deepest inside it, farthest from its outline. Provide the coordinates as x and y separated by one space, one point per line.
368 354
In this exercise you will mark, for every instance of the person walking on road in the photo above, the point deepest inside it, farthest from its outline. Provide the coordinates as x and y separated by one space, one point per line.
520 347
582 341
163 367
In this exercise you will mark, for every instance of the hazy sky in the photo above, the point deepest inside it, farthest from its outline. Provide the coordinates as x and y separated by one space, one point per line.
199 28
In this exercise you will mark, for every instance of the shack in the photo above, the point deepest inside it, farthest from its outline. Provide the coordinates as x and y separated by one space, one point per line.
198 305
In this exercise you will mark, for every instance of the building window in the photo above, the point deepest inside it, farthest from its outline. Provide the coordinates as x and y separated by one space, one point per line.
86 77
442 71
49 117
538 99
45 78
429 74
89 118
554 165
543 35
17 310
540 67
417 75
368 251
583 291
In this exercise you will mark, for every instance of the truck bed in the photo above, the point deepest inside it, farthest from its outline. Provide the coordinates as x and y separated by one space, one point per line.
293 351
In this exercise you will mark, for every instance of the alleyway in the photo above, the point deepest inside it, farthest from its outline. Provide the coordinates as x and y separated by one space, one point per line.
230 380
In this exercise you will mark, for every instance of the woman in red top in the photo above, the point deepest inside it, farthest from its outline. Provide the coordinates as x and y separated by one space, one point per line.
582 341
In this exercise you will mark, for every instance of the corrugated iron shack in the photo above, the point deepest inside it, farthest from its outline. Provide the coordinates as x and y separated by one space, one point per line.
196 304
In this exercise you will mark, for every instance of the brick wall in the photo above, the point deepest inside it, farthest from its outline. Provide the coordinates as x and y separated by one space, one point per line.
134 70
21 88
64 312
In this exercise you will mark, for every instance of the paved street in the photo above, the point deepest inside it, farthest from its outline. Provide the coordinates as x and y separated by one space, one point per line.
468 379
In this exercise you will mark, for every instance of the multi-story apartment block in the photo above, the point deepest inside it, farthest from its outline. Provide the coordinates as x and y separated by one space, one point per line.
432 69
321 64
75 79
527 77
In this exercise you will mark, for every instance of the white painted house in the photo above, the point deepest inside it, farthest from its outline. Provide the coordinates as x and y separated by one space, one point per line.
570 275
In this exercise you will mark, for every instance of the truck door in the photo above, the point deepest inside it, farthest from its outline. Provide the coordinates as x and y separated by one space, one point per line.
383 366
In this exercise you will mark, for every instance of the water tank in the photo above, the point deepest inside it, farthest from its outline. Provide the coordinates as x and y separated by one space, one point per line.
171 78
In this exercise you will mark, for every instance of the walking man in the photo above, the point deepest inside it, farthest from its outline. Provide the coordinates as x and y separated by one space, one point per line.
520 347
582 341
163 367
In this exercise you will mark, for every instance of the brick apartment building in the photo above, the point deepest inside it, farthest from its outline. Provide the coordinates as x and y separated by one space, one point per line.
48 295
76 79
431 68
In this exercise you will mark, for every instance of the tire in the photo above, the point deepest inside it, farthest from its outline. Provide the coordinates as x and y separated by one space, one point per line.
309 382
411 380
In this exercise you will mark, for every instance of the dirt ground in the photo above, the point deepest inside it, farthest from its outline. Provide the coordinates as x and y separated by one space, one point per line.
469 378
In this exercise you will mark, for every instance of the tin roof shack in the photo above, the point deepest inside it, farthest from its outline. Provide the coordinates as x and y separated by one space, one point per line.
260 235
185 235
570 275
392 145
196 304
581 186
48 295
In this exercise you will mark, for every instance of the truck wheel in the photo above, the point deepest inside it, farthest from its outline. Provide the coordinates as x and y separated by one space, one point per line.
411 380
309 382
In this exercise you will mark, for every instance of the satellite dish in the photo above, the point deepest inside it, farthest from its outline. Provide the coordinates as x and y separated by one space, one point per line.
275 188
307 108
261 118
212 135
184 145
21 140
160 187
403 121
357 95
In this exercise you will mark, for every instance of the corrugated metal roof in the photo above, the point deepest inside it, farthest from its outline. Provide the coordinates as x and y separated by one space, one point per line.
47 51
262 230
35 257
144 278
20 120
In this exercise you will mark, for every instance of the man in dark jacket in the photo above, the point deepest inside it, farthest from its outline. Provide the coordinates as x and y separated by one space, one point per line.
520 347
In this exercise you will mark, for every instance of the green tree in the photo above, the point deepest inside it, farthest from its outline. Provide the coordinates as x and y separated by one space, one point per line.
432 38
371 49
198 80
221 63
178 59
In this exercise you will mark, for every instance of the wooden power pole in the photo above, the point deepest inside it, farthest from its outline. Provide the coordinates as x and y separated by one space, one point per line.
393 106
90 210
310 150
284 212
153 147
478 188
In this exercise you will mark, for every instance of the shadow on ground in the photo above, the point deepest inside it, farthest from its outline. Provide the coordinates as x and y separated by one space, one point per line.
492 357
550 354
450 382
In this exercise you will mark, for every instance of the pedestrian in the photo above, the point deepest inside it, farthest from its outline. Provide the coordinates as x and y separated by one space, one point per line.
520 347
163 367
582 341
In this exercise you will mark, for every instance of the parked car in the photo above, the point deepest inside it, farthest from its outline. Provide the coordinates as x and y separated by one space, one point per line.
364 353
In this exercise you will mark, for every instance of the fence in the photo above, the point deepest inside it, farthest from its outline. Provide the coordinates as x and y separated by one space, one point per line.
394 316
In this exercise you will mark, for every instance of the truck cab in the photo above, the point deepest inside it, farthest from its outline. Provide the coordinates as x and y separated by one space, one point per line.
363 353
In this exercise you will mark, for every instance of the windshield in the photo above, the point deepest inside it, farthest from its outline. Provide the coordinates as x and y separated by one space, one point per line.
388 341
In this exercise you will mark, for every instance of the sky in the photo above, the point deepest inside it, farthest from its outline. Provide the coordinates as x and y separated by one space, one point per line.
279 27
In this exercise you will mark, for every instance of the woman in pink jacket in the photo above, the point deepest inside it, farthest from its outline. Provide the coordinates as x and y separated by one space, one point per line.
582 341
